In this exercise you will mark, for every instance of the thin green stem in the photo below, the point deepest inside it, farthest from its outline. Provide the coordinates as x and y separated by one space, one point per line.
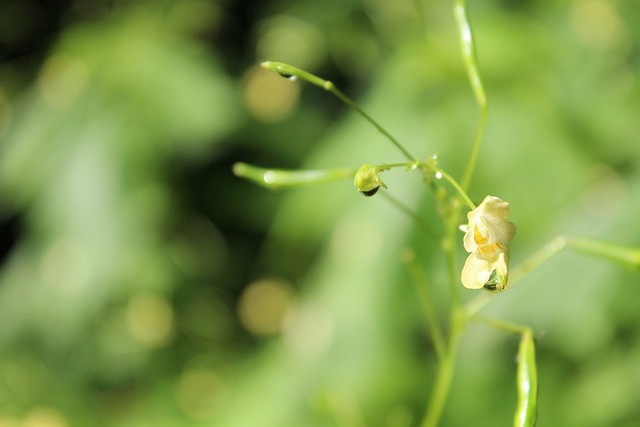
407 165
446 370
538 257
426 302
457 186
278 178
502 325
458 318
621 255
470 60
291 72
478 303
457 314
475 149
449 246
438 173
624 256
329 86
442 386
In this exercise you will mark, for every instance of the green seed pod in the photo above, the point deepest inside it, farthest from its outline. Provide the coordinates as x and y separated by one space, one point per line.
527 377
367 180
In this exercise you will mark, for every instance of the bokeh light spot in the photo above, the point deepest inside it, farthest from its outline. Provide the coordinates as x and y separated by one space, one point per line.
308 331
269 97
150 319
597 24
44 417
288 39
197 391
263 306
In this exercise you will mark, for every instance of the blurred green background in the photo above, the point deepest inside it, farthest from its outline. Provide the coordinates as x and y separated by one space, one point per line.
142 284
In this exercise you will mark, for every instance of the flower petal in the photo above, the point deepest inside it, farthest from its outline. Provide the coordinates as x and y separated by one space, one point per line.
490 272
498 230
488 225
495 206
468 240
476 272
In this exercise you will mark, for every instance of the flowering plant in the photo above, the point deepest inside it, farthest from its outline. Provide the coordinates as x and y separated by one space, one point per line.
488 233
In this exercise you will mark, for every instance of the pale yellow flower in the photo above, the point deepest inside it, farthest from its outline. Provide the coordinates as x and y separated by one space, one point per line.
486 238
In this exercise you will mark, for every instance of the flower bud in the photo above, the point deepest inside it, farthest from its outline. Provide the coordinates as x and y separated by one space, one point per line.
367 180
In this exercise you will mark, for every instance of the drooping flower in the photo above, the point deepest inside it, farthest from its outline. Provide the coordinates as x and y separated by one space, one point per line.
486 238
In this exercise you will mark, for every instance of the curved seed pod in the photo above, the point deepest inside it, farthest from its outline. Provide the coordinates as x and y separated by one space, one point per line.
527 377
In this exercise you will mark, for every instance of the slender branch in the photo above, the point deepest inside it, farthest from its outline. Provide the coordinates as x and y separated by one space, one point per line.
470 60
538 257
442 174
478 303
625 256
426 302
505 326
407 165
291 72
446 370
477 141
458 318
329 86
457 314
